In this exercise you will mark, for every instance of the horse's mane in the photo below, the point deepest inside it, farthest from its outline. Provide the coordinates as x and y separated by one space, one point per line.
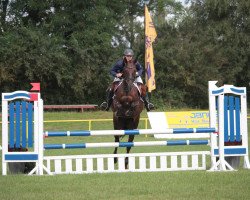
125 61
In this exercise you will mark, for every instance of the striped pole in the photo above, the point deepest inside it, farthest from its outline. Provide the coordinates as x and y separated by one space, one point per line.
127 144
129 132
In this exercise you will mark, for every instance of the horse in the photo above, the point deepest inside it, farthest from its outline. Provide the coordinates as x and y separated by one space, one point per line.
127 105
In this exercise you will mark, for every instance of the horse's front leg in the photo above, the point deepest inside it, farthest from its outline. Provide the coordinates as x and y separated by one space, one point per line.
130 139
117 139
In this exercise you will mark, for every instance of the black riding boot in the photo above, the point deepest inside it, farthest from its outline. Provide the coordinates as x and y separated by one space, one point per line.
149 106
106 104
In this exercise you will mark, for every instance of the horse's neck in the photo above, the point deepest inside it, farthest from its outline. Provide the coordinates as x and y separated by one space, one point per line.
127 86
130 64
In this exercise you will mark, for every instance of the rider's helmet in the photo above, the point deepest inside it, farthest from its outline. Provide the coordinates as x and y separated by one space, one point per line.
128 52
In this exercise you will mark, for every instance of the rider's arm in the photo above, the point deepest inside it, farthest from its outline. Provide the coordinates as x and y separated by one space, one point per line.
116 69
113 72
139 68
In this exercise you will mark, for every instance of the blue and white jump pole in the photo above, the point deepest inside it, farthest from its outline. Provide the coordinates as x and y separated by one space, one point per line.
126 144
130 132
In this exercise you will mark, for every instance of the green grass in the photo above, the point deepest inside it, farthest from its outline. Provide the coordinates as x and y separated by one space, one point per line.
157 185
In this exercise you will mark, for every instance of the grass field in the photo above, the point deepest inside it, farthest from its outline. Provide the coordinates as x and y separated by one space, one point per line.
157 185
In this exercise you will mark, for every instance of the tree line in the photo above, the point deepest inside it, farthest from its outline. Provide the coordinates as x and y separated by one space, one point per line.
70 46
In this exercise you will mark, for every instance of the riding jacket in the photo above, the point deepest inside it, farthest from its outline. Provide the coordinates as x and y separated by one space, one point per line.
119 65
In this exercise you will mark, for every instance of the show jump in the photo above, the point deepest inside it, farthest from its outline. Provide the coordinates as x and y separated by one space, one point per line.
227 136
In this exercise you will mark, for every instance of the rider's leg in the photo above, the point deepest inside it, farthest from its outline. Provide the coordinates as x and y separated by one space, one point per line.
110 95
149 106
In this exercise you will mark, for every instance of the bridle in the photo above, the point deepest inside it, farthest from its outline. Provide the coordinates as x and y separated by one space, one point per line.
129 80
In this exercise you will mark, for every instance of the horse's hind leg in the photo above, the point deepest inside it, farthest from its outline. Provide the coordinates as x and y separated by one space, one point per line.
130 139
116 148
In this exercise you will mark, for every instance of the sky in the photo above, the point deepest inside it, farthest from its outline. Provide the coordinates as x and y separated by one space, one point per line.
183 2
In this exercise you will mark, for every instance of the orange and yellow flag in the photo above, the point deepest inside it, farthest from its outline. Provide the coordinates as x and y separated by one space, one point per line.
150 35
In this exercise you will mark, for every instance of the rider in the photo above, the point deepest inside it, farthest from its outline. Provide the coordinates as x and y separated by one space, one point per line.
116 72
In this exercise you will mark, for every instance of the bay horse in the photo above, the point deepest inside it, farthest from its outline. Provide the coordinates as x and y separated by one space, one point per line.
127 104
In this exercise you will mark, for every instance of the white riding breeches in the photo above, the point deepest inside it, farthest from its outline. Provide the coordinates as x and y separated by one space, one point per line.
137 80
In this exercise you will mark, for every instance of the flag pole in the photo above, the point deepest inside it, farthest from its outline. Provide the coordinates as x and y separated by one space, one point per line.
146 2
150 36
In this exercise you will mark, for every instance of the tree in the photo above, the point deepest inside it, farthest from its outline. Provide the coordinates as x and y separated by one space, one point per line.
70 46
65 45
210 43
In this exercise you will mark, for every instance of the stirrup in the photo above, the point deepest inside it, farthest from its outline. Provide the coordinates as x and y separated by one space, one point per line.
107 108
104 105
150 106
